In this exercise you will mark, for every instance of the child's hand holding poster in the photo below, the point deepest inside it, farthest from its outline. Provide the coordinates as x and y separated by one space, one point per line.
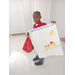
46 40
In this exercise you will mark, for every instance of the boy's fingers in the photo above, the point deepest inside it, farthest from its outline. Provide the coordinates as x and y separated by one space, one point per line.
53 21
28 32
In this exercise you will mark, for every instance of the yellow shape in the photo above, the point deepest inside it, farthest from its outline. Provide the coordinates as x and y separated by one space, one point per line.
46 48
54 44
51 45
51 32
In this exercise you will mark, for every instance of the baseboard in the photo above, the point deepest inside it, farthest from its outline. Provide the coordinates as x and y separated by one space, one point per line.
17 34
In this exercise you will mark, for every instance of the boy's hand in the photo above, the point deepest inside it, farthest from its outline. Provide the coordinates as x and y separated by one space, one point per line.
53 22
28 34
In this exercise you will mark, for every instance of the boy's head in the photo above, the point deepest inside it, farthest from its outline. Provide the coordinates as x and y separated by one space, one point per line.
36 17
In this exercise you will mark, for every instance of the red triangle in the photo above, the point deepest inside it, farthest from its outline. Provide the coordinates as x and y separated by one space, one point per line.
51 42
45 45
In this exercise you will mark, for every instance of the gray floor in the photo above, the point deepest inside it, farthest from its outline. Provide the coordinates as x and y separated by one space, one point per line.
21 63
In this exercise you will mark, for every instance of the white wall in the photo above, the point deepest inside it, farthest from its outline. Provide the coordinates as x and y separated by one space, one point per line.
27 7
16 17
20 20
58 14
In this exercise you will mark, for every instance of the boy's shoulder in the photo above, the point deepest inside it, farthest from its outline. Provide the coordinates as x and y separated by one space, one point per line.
43 23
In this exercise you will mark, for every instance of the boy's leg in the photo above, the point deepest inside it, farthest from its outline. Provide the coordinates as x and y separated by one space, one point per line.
36 58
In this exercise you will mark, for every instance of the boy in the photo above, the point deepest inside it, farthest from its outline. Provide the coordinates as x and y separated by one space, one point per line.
38 23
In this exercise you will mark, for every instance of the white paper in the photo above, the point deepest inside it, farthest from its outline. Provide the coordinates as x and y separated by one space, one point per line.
46 41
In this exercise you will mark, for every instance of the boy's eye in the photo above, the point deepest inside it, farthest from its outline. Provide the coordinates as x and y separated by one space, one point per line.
35 17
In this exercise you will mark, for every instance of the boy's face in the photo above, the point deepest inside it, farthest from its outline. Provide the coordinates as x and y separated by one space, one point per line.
36 18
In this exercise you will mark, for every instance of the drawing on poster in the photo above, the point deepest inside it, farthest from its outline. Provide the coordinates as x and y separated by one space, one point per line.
51 33
51 46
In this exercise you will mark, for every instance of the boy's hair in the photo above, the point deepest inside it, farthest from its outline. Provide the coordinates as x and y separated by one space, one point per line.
37 12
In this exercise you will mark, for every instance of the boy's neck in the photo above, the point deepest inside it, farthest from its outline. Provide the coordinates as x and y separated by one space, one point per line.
38 22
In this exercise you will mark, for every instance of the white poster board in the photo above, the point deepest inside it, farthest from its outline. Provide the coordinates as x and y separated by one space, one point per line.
46 41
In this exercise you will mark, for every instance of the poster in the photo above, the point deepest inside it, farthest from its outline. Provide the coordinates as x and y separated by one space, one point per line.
46 41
